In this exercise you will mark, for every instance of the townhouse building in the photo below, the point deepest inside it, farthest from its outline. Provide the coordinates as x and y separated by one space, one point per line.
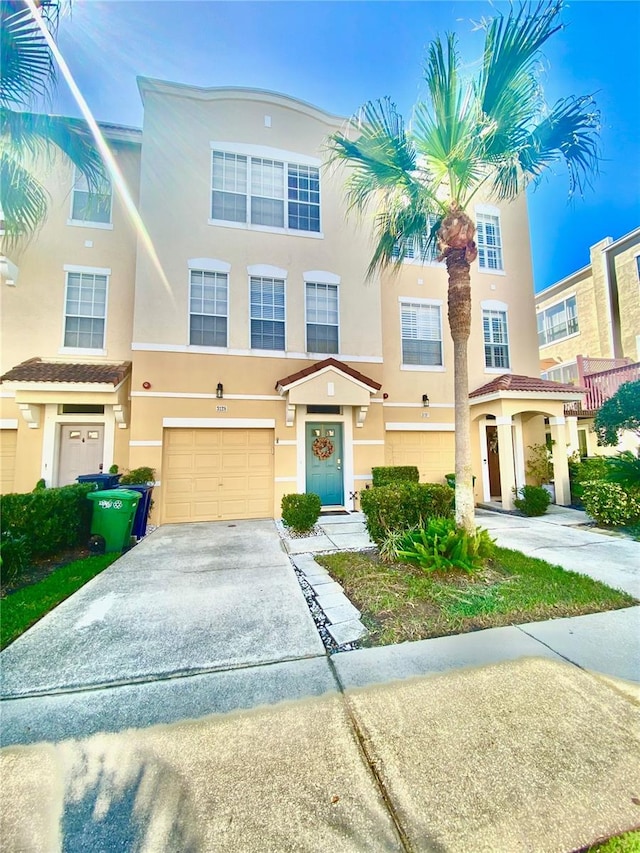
589 334
229 336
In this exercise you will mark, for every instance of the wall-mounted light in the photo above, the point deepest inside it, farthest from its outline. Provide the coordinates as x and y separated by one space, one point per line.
219 391
425 401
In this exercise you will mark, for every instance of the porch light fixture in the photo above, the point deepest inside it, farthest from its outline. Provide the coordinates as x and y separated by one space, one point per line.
425 401
219 391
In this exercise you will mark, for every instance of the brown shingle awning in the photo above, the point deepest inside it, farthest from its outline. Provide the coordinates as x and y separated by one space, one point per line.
530 384
39 370
321 365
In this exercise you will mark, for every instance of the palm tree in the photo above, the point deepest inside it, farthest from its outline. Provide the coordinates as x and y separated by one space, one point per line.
493 133
28 76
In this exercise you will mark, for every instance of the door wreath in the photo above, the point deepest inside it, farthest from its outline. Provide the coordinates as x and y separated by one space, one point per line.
322 447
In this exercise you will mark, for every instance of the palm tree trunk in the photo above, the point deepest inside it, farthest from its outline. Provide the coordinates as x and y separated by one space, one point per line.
459 299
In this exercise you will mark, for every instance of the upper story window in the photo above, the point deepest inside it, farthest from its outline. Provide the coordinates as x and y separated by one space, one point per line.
421 326
489 240
265 192
267 313
567 373
557 322
90 208
496 341
412 250
208 308
322 317
85 310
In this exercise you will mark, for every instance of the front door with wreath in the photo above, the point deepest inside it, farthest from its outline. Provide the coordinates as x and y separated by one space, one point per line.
324 462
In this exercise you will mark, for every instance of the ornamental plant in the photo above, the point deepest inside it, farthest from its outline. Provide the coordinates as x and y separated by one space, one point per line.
441 546
611 504
401 506
385 475
300 512
532 500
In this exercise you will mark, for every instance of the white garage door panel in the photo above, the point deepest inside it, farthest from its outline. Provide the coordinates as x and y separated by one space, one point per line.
217 474
432 452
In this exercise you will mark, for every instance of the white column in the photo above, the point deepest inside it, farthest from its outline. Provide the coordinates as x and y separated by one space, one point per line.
484 456
560 464
572 435
518 450
507 467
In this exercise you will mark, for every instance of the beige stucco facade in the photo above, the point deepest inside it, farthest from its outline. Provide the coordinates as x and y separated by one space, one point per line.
208 417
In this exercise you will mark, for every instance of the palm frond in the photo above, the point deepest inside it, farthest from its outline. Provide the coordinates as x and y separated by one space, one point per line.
27 67
23 200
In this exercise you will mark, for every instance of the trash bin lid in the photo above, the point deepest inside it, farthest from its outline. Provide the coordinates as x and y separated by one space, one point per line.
111 494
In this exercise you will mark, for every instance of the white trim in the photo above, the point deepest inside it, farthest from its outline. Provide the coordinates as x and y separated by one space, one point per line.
82 350
563 396
287 442
635 234
558 340
489 209
304 356
557 421
415 405
180 395
8 395
268 229
368 442
420 300
267 271
320 277
222 423
8 423
145 444
484 459
504 420
285 479
411 427
87 269
81 223
80 387
322 356
363 477
424 368
498 371
209 265
518 451
494 305
250 150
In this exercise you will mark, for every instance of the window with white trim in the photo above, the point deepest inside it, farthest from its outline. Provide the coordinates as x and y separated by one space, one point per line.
558 321
421 334
567 373
208 308
90 207
323 322
85 310
489 241
412 249
496 340
267 313
260 191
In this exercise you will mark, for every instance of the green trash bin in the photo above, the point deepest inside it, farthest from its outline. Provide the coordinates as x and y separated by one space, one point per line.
113 514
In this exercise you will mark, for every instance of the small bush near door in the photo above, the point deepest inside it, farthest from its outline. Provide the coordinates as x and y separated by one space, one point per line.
532 500
138 477
300 512
385 475
402 506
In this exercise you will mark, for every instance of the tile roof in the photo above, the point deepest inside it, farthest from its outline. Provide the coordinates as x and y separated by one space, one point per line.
328 362
532 384
38 370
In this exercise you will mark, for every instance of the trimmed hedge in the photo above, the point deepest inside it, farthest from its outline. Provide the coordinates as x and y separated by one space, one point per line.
388 474
609 503
301 511
401 506
532 500
49 519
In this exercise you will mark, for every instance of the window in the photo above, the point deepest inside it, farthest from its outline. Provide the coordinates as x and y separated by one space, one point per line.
489 241
267 313
557 322
412 249
421 334
253 190
567 373
496 341
208 309
322 317
90 207
85 310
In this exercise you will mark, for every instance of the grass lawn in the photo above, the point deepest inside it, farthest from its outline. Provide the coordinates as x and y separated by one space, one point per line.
401 602
22 608
627 843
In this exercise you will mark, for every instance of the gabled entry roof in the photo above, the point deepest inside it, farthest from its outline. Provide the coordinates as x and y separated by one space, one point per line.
514 384
283 385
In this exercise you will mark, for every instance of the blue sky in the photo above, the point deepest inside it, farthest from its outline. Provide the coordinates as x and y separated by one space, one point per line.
337 55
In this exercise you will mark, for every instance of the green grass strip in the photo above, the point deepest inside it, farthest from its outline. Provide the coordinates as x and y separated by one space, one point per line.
24 607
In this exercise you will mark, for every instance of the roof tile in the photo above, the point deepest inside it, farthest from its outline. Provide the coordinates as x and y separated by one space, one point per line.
328 362
516 382
39 370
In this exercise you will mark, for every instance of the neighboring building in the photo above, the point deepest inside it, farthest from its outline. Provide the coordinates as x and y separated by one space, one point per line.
234 343
589 334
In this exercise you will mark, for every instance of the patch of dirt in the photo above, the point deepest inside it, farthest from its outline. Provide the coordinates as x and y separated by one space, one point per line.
42 568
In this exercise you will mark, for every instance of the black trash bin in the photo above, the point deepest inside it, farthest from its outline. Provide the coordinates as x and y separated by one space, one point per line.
102 481
142 512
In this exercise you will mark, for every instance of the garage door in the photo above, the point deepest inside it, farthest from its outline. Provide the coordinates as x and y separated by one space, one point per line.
432 452
217 474
8 442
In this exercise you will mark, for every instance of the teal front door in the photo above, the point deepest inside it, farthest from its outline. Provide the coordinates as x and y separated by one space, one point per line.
324 463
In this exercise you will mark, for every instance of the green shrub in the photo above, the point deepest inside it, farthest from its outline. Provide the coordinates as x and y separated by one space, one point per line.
624 469
586 470
532 500
402 506
113 469
441 546
138 476
388 474
41 484
50 519
609 503
15 555
300 512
